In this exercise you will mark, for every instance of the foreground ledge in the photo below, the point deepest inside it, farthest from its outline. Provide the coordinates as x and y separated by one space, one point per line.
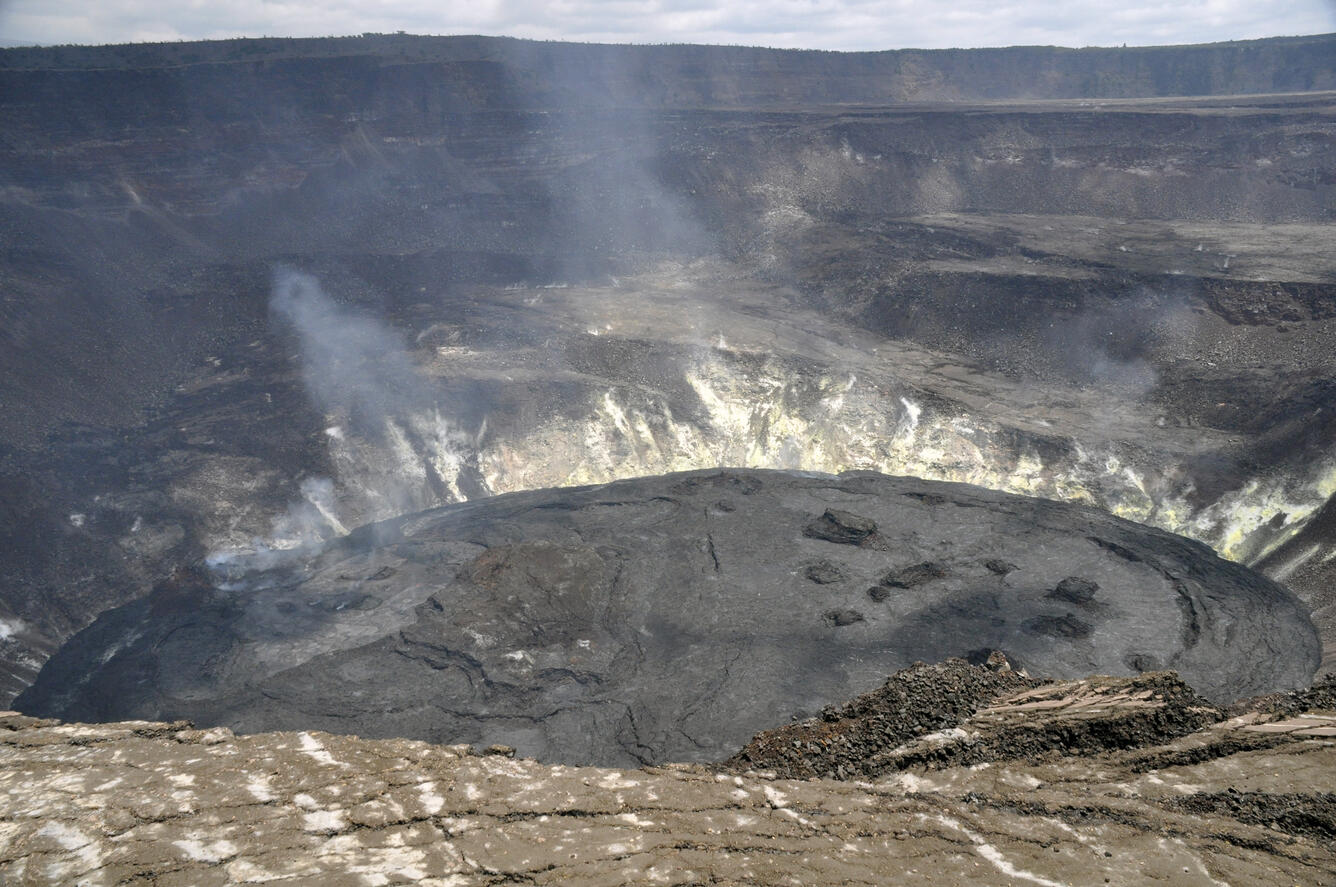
169 804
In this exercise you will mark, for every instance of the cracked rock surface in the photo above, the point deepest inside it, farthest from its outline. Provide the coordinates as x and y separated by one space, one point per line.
671 618
1247 800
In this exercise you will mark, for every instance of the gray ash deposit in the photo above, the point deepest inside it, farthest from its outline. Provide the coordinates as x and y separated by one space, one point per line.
670 618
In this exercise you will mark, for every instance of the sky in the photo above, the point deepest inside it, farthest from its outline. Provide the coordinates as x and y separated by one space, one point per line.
811 24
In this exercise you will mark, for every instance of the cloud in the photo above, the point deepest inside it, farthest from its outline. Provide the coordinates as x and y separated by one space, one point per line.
815 24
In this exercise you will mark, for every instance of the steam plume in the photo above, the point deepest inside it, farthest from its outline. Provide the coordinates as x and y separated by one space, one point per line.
351 364
392 450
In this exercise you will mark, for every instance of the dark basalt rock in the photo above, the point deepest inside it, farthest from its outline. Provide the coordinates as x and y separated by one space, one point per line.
841 742
841 618
1312 814
1321 696
1075 590
953 713
1000 567
1140 662
913 576
631 622
841 527
1064 626
823 572
918 700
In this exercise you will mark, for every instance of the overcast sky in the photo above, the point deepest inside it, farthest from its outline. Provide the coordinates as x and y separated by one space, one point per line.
816 24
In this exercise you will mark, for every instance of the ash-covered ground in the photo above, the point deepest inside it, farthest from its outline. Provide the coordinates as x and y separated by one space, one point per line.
949 774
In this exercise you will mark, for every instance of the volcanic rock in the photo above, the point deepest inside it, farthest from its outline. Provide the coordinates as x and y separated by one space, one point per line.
841 618
846 740
955 714
1065 626
911 576
635 622
1075 590
1096 781
823 572
842 528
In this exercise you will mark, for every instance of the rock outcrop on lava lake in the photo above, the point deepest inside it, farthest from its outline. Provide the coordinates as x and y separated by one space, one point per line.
670 618
977 776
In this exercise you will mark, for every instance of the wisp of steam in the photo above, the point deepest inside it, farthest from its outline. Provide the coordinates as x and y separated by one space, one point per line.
351 364
391 449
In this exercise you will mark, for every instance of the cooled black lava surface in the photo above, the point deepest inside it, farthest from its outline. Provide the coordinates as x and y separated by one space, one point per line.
670 618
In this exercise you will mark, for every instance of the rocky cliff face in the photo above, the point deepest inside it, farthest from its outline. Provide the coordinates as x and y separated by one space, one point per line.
576 264
1152 787
418 75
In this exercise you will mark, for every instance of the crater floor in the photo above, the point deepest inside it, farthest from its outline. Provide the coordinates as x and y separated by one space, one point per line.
670 618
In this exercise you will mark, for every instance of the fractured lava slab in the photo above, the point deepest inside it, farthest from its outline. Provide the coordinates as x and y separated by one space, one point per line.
672 617
167 804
